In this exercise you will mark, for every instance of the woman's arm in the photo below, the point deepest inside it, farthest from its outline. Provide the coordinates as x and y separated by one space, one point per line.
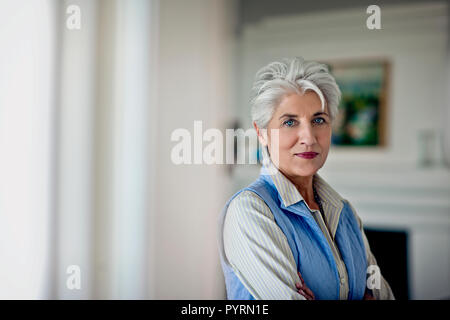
258 250
385 292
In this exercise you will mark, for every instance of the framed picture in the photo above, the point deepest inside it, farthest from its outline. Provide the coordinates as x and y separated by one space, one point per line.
361 120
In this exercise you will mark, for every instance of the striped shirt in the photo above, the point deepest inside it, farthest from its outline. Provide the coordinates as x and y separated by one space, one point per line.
258 250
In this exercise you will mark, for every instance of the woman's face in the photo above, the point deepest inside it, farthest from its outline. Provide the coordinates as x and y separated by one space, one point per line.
301 126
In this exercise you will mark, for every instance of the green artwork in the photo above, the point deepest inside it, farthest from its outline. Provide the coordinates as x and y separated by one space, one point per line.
363 86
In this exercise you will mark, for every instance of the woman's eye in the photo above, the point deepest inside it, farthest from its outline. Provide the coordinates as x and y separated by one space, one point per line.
289 123
319 120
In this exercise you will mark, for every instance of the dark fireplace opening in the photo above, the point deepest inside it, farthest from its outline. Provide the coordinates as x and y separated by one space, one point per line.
390 248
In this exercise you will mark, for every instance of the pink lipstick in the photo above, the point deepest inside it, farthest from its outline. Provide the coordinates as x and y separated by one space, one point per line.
307 155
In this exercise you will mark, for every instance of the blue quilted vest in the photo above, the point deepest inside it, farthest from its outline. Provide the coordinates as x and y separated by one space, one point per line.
311 251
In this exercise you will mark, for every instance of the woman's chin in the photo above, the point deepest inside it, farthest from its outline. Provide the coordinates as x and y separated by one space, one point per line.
305 171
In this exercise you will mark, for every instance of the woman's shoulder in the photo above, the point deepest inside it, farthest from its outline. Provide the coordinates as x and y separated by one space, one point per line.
352 209
246 204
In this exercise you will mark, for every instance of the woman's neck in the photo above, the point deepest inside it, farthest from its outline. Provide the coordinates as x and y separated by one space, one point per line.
304 185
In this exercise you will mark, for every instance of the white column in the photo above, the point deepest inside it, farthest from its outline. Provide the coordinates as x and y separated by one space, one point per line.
75 151
103 152
132 125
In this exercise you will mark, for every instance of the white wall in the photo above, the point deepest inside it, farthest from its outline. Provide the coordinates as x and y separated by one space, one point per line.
446 117
193 73
27 42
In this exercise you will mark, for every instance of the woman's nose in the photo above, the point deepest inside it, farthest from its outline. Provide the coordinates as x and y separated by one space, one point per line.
307 136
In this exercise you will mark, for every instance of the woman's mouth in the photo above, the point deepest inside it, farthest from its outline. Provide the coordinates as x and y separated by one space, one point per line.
307 155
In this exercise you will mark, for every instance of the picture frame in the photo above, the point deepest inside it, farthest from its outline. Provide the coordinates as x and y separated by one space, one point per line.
364 84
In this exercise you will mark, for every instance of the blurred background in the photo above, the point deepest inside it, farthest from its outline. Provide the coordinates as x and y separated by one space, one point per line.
91 91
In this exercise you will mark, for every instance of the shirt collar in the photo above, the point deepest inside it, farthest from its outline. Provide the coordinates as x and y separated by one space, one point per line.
332 202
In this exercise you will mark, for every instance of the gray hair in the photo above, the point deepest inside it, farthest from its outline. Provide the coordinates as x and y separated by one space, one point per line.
297 75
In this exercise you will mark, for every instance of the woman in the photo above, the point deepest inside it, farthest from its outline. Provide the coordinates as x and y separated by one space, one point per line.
289 235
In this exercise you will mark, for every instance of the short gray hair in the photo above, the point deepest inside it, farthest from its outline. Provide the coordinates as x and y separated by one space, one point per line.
297 75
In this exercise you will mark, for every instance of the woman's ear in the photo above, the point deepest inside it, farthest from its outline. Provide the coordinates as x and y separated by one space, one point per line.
262 134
